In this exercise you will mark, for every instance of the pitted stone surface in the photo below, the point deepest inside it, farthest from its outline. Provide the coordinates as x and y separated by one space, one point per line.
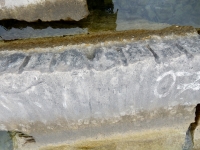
45 10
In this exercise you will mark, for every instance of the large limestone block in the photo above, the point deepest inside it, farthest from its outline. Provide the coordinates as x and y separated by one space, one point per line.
67 93
130 85
45 10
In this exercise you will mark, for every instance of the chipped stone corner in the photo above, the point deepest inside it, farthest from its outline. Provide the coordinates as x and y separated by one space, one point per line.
189 138
15 140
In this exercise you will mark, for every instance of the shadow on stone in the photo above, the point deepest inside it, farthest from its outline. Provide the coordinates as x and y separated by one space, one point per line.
189 139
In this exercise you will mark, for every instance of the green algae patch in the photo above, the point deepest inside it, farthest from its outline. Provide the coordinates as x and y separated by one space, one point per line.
94 38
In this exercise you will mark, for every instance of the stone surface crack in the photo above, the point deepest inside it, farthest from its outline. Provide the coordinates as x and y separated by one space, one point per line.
157 59
182 49
24 90
24 64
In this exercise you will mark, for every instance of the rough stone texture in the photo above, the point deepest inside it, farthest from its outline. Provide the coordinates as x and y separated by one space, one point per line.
45 10
81 91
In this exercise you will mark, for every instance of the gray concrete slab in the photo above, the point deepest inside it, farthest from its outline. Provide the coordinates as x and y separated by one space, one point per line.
45 10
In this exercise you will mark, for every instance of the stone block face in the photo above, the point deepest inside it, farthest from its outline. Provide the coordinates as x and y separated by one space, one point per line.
57 94
45 10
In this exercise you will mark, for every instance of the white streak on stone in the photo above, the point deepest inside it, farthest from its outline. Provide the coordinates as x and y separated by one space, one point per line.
14 3
38 104
159 79
181 74
5 106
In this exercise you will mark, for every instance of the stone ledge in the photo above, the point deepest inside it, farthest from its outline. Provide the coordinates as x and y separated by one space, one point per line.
94 38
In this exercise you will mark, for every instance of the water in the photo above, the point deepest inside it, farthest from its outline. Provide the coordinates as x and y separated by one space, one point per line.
6 142
183 12
108 15
14 140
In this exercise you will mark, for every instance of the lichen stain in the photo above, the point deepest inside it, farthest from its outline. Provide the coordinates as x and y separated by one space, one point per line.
152 140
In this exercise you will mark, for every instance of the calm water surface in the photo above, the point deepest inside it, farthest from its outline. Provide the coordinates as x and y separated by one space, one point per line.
111 15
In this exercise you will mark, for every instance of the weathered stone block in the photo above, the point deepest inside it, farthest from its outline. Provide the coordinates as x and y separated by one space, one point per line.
127 86
45 10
